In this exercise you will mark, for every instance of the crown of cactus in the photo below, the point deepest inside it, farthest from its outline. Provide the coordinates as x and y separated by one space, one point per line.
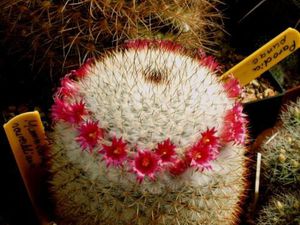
280 152
281 209
147 134
63 34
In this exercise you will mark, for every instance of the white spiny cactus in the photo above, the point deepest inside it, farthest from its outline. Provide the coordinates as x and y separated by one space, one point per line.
148 135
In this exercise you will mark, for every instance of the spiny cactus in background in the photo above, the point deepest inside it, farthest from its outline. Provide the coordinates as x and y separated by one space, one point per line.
291 117
280 152
297 3
282 209
285 70
61 35
148 135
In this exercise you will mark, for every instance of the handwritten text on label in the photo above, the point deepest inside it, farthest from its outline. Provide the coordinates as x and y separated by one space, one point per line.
28 147
265 58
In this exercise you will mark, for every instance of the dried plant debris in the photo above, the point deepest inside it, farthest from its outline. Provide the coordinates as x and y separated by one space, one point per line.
257 89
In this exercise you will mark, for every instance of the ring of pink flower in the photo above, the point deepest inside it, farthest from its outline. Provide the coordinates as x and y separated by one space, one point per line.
149 162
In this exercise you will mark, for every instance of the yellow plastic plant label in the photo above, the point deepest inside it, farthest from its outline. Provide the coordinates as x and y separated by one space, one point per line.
265 57
28 142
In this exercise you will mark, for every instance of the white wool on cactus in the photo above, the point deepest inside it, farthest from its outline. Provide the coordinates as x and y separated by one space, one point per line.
148 135
154 95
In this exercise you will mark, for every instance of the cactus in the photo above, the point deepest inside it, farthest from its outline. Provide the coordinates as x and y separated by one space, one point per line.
147 134
60 35
280 152
291 117
281 209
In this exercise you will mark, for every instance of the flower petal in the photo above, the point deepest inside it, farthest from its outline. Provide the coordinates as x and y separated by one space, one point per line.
89 135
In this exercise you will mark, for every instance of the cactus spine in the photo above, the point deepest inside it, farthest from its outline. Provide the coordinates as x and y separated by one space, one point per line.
281 158
281 209
148 135
63 34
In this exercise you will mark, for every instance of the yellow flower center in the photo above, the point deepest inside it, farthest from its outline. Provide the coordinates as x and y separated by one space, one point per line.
117 151
92 135
145 162
198 155
206 140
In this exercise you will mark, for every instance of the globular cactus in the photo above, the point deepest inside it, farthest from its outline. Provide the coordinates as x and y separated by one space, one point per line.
280 152
147 134
291 117
281 209
61 35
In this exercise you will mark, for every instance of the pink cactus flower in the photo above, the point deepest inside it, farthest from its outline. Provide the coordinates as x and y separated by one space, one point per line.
137 44
145 163
144 43
179 166
166 151
116 153
68 87
235 125
60 110
232 87
208 61
72 113
200 157
170 46
77 111
209 139
89 135
83 70
205 150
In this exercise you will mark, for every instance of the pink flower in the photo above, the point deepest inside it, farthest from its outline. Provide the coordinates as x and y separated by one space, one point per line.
170 46
180 166
234 128
205 150
166 151
84 69
145 163
145 43
232 87
89 135
116 153
209 139
72 113
200 156
68 87
138 44
60 110
77 111
208 61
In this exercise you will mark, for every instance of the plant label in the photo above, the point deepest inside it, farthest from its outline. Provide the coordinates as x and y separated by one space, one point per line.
265 57
29 144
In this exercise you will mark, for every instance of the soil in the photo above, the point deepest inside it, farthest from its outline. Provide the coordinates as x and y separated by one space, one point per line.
257 89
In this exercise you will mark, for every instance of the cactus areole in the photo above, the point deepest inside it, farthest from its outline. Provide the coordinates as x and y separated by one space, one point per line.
148 135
